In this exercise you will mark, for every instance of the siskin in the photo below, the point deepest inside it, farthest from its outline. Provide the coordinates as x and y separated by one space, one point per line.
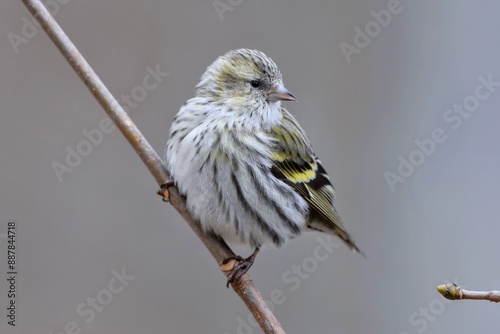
244 164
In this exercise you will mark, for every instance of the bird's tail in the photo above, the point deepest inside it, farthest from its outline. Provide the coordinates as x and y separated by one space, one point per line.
349 242
326 227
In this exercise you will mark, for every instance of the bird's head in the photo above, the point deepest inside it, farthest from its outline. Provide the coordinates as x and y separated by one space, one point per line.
243 79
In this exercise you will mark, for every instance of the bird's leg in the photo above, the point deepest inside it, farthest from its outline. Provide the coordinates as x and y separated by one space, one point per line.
241 267
163 192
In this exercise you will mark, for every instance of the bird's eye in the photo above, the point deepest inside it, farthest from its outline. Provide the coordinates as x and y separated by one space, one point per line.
255 83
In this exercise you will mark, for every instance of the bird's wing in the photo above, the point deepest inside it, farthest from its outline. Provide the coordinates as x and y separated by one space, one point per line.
295 163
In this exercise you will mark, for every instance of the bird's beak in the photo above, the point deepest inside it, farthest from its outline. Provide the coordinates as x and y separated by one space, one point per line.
279 93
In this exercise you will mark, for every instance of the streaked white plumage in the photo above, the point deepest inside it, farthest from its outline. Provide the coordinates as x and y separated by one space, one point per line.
245 165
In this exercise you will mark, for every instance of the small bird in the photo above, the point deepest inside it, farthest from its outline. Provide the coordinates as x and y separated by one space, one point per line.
244 164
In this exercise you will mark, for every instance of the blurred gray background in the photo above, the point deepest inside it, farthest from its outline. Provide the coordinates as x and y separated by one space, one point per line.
82 221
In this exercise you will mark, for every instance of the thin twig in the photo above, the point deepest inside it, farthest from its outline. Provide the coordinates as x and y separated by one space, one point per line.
244 287
454 292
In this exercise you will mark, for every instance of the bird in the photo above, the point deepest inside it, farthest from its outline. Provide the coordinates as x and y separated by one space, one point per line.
243 163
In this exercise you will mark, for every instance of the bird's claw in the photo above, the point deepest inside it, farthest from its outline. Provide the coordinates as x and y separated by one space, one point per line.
238 269
163 192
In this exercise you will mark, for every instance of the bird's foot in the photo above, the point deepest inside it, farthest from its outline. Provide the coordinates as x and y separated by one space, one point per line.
238 266
163 192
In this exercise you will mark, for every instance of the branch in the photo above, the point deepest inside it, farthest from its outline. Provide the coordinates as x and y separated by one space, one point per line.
454 292
244 287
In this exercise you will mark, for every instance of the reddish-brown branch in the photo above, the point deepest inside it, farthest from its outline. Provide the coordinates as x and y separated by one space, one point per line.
244 287
454 292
